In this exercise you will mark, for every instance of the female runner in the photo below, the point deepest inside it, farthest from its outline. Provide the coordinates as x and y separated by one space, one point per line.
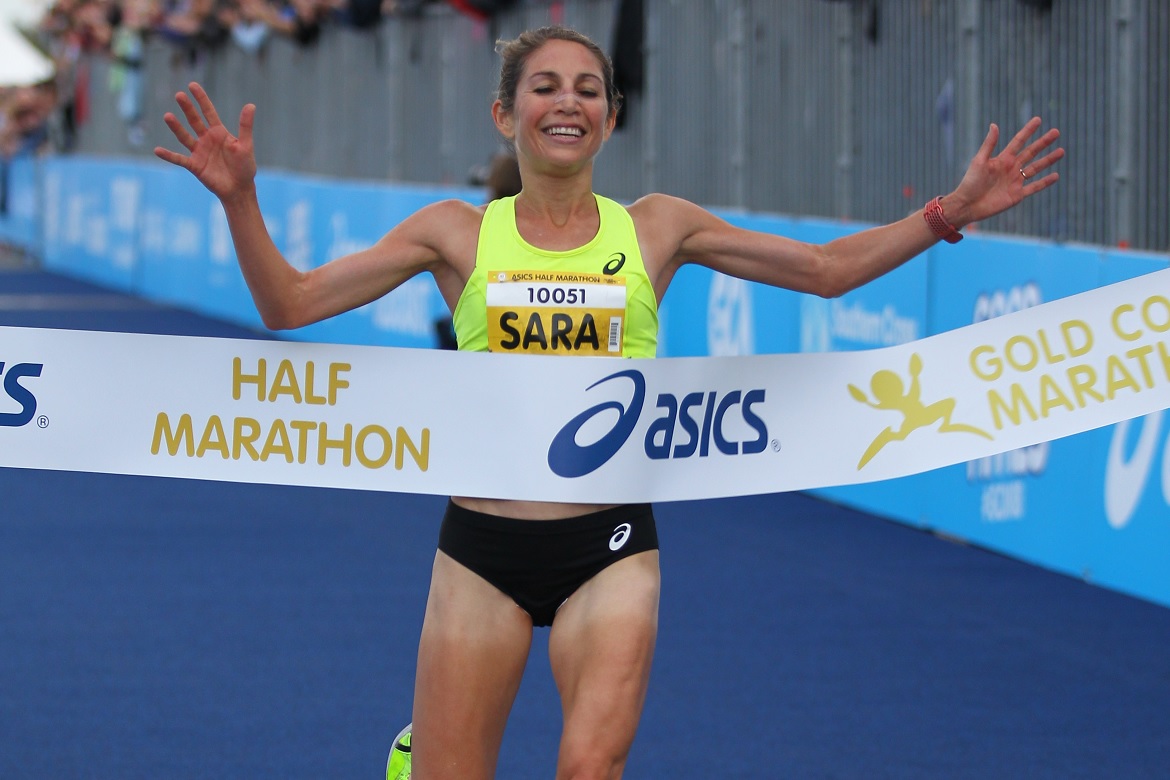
589 571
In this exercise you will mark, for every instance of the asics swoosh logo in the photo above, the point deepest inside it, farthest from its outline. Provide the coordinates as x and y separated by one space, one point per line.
621 535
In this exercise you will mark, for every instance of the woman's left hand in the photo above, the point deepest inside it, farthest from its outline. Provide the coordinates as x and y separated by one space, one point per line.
994 184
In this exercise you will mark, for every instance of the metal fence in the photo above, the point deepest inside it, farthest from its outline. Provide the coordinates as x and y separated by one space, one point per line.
858 109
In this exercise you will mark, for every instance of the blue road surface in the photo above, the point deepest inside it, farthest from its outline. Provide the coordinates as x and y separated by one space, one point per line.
154 628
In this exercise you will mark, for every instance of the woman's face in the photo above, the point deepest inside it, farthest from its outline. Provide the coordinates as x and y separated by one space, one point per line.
560 117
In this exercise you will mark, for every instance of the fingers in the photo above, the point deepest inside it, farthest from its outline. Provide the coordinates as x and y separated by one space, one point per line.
1020 140
194 116
1035 185
205 103
1036 147
247 119
989 142
181 134
183 137
166 155
1045 162
191 113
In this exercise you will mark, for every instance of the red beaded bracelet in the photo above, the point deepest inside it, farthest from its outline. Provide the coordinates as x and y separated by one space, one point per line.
938 222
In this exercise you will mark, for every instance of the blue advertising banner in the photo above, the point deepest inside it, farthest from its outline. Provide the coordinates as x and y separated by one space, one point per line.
91 219
1095 505
1129 549
1089 505
350 216
1017 500
19 202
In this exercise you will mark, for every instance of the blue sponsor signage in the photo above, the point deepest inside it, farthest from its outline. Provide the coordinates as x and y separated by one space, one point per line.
1095 505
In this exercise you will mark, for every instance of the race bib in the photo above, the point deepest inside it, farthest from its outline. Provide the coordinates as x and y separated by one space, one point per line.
555 312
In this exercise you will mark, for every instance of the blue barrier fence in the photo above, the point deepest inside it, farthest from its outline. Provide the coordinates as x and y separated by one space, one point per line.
1095 506
20 201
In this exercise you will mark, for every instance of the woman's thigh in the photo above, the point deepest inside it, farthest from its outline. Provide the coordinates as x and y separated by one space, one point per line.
471 658
601 648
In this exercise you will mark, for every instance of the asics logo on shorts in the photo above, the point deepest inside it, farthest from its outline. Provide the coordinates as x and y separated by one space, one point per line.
621 535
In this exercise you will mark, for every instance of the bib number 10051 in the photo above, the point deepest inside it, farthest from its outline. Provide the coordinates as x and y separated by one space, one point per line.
572 296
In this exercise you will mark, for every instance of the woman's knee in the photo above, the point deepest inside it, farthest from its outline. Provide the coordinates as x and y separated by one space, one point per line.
581 759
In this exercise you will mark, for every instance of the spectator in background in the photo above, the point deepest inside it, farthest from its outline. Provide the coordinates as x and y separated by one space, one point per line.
362 14
24 114
126 48
248 21
301 20
195 26
72 30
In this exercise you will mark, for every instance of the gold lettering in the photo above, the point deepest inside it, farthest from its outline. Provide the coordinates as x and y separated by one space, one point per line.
240 378
310 396
1163 303
422 457
1082 380
1118 377
302 427
1019 402
183 433
245 432
285 383
277 443
989 371
1068 329
1031 359
213 439
345 444
387 446
1165 356
1047 350
1124 308
1051 396
1140 354
336 383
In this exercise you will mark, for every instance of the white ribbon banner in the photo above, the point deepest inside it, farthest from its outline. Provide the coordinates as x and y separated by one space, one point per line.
579 429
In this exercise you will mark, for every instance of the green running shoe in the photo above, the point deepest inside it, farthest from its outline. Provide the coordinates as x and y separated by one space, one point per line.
398 762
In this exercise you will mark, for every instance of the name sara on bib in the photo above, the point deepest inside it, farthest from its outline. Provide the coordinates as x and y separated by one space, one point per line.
555 312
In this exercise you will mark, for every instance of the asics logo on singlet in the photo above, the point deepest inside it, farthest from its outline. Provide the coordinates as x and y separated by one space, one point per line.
616 261
621 535
684 427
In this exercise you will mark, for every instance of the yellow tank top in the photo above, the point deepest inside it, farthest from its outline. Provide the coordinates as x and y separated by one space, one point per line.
593 300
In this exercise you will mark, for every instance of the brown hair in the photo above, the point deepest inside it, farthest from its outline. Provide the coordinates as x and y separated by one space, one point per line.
515 54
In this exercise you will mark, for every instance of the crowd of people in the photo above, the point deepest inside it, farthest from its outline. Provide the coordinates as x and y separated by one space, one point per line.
46 115
98 25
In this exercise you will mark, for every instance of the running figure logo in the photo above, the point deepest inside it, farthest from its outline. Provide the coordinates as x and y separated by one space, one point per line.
891 395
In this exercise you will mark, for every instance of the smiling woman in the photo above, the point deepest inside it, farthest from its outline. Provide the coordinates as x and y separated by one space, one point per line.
557 269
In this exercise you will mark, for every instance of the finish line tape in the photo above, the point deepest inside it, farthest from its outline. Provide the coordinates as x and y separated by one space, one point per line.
579 430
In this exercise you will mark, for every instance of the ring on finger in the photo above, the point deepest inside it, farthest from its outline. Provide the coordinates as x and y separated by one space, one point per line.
1023 174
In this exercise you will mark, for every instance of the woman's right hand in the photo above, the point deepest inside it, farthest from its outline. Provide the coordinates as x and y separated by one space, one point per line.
223 163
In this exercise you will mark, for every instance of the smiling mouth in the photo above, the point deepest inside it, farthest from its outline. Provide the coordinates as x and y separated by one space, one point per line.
564 132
